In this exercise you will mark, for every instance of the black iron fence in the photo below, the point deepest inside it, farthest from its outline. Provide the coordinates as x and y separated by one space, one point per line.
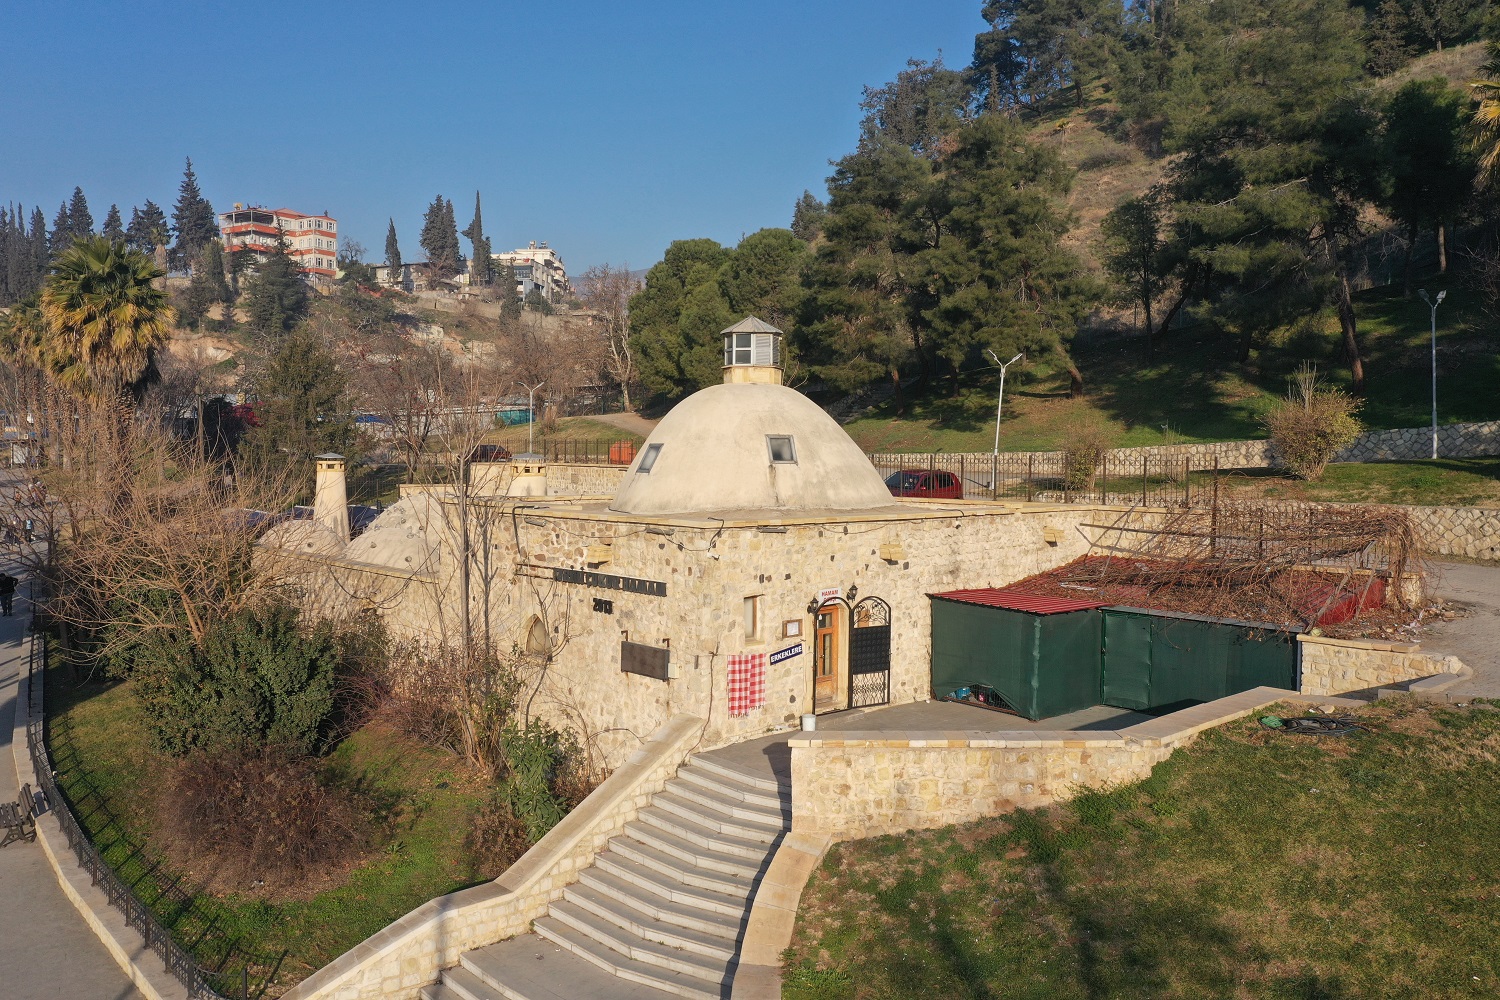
1053 477
201 983
585 452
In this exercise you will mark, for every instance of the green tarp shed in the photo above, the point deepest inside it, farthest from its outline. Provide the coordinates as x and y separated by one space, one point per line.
1158 659
1041 654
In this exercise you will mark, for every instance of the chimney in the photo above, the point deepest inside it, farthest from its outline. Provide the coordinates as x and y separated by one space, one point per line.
752 352
331 498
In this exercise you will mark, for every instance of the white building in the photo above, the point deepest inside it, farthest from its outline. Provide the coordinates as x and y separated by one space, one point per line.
538 268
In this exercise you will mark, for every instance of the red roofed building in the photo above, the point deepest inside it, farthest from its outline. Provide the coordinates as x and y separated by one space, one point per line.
312 240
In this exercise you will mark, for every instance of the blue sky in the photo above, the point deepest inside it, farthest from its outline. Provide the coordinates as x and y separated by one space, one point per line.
607 129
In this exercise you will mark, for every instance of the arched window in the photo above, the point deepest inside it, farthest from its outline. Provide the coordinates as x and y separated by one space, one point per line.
538 642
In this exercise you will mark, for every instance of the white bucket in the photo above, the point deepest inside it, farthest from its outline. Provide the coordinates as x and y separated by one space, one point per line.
809 723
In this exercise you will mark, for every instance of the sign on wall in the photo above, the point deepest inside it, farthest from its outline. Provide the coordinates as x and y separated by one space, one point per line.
786 654
830 594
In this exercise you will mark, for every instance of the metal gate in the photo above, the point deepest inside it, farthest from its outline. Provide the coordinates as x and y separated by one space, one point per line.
870 654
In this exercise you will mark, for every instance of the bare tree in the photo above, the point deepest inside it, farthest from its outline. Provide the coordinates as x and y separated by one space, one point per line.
606 291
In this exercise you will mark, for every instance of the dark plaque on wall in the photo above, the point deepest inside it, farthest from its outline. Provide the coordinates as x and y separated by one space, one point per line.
648 661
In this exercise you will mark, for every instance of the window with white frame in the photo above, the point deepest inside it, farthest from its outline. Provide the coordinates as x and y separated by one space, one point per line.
752 617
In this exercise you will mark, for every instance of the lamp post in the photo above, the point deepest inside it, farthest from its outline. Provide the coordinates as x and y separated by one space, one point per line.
1001 401
530 409
1433 304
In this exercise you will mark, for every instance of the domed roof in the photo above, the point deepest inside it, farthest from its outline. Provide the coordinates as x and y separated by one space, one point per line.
304 537
726 448
405 535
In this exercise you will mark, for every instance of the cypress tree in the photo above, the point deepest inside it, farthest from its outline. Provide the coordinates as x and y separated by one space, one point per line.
193 219
80 219
392 253
148 228
481 270
41 253
114 227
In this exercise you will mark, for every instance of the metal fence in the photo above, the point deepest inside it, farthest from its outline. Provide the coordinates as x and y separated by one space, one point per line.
586 452
196 979
1151 481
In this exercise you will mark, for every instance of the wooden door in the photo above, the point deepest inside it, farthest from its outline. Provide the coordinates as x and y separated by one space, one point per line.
827 625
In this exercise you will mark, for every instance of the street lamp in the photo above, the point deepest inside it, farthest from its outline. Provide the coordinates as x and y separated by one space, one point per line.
1001 401
530 409
1434 303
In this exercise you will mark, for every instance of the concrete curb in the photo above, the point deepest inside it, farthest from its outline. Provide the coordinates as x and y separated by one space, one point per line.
125 945
773 915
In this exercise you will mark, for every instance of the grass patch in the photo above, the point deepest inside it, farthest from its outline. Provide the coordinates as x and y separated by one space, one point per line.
1444 482
424 800
1354 867
1198 391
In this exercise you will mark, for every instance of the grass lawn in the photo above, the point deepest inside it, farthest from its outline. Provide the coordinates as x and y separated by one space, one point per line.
423 799
574 429
1250 864
1445 482
1198 391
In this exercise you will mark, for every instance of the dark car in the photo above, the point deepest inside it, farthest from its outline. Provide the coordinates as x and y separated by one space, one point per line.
490 453
926 484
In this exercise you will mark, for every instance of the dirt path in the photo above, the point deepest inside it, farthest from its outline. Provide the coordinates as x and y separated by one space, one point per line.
1475 638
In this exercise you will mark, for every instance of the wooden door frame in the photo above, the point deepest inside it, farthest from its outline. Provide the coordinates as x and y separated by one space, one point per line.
839 629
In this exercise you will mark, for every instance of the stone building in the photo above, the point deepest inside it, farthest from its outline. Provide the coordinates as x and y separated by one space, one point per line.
750 566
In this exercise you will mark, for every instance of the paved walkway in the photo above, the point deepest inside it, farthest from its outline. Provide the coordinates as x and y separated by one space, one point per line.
771 754
47 952
1475 638
632 422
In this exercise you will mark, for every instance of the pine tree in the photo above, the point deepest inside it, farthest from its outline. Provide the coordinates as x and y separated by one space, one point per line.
808 217
207 287
41 250
114 228
80 219
148 228
278 296
439 239
392 253
193 220
481 270
62 231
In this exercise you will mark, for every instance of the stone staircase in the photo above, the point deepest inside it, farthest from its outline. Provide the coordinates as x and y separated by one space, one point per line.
661 911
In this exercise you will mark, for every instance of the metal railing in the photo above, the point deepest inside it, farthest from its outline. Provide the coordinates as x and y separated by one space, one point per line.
1148 481
586 452
138 915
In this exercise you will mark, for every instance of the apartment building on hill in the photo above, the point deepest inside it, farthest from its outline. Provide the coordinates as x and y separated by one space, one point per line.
538 268
312 240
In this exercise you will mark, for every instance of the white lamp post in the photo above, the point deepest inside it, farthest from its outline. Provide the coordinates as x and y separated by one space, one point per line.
1001 401
1433 304
530 409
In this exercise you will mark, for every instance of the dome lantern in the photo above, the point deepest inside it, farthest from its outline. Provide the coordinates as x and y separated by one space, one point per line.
752 352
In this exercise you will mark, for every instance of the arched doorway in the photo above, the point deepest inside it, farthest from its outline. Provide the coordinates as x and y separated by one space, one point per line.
828 657
870 654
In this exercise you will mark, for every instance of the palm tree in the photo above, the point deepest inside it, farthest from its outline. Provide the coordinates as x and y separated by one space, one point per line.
1485 126
105 316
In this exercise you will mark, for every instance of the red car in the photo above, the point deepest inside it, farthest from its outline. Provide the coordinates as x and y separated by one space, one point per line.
926 484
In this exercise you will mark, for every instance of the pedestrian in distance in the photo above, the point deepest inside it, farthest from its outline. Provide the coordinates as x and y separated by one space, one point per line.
7 594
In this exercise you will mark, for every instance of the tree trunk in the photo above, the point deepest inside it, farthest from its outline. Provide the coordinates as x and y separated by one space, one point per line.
625 392
1411 251
1176 307
1348 325
900 399
1150 340
1442 238
1075 377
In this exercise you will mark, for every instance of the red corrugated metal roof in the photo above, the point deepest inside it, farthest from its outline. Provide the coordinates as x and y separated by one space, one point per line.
991 597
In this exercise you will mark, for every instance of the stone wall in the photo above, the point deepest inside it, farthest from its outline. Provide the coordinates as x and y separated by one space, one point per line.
1337 666
1454 441
851 785
1471 532
395 963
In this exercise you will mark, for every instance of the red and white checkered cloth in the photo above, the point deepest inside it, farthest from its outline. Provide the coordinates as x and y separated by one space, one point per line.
747 682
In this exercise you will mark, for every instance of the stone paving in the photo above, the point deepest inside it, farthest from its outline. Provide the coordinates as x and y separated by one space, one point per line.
47 952
1475 638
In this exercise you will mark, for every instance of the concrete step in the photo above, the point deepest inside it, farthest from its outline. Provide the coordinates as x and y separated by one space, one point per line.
680 913
461 984
696 833
709 968
530 967
720 943
716 801
762 782
651 881
766 829
733 788
682 871
613 962
705 858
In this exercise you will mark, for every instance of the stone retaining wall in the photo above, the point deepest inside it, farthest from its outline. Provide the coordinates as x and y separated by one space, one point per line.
1336 666
1471 440
866 784
1471 532
395 963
